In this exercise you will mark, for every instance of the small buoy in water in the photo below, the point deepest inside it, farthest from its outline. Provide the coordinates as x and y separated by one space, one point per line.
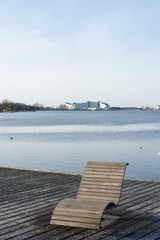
140 147
158 153
11 138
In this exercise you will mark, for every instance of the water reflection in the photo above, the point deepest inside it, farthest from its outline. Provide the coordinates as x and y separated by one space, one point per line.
80 128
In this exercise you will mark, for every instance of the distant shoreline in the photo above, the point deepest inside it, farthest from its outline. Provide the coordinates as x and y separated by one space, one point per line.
80 110
9 106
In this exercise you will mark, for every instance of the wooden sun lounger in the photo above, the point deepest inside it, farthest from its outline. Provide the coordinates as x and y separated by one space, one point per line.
100 188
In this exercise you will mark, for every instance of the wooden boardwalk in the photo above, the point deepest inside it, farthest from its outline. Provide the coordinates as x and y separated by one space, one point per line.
27 199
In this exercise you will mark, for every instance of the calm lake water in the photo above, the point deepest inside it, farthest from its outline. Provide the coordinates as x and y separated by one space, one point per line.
64 140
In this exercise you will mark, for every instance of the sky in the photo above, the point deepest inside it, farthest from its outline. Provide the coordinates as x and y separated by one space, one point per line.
57 51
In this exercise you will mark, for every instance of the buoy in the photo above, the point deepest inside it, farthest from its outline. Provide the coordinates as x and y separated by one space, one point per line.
11 138
158 153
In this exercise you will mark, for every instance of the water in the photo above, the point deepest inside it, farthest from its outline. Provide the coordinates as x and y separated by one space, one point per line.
64 140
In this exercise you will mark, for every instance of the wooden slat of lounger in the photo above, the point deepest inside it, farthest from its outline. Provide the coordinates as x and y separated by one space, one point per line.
103 180
103 169
77 211
94 197
75 224
105 187
98 173
99 176
107 172
104 190
118 164
98 190
75 219
118 169
73 213
99 198
102 184
98 193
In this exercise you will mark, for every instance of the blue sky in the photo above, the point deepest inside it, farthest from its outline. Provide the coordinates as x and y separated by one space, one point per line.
53 51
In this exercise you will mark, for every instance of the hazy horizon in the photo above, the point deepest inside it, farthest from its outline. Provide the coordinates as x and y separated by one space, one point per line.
58 51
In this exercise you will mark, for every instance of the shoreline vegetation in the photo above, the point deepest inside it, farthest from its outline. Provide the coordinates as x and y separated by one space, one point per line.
9 106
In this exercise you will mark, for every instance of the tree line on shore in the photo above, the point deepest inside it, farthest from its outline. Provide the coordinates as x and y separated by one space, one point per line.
9 106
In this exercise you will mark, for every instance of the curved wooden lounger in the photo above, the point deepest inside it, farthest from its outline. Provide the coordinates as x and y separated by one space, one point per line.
100 188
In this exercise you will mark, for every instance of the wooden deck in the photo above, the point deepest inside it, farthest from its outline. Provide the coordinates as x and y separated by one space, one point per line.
28 198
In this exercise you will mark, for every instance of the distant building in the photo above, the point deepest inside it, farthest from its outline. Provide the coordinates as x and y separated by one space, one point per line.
69 106
62 107
94 105
66 106
103 105
80 106
91 105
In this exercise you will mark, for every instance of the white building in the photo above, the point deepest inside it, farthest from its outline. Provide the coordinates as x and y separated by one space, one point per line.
69 106
103 105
